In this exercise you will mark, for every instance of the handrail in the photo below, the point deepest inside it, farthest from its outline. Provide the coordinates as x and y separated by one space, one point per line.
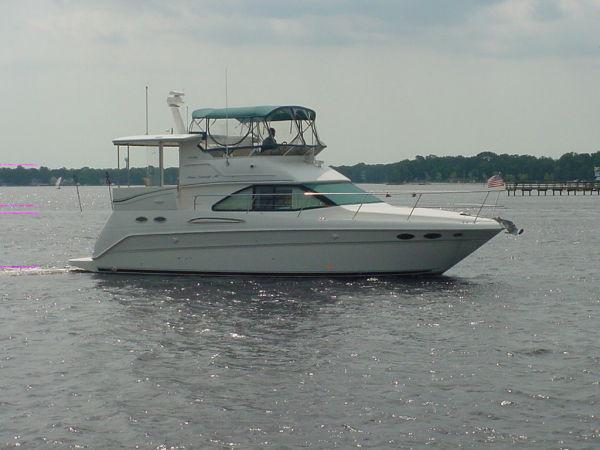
414 206
280 150
411 193
481 207
387 194
360 206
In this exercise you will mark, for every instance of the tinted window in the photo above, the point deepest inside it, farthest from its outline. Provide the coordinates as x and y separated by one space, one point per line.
350 194
240 201
302 201
270 197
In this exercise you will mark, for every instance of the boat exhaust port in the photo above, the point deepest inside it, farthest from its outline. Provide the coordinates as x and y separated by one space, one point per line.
509 226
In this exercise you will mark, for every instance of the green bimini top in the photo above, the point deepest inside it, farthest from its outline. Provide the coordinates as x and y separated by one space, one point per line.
257 113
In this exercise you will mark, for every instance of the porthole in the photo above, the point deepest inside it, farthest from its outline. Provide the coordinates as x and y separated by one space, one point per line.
432 236
141 219
457 234
160 219
405 236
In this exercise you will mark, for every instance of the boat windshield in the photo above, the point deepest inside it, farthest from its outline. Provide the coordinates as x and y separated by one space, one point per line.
344 193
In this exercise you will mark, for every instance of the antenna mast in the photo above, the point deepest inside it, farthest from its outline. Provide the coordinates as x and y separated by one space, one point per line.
226 117
147 151
146 110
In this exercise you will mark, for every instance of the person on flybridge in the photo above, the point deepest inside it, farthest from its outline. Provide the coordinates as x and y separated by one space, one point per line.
269 143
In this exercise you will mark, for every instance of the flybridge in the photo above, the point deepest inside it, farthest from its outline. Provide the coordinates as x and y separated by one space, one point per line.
257 130
239 131
251 131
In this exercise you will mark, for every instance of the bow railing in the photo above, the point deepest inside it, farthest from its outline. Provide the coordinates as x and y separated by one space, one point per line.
296 201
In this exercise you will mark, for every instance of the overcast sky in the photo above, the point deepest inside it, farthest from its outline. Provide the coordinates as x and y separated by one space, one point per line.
389 79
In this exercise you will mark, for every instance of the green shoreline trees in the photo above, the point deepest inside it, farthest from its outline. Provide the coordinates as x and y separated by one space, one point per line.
570 166
86 176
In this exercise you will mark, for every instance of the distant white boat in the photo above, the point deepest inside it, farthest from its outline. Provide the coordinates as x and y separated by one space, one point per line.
58 182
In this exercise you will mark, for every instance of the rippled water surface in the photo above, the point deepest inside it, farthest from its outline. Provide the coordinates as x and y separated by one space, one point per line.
503 351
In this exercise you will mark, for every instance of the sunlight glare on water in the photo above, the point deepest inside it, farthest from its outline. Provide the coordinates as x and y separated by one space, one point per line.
502 351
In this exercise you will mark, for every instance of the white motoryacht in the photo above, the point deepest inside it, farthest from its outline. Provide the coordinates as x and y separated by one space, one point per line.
252 198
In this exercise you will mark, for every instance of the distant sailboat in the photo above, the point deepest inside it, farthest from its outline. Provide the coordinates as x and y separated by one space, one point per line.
58 182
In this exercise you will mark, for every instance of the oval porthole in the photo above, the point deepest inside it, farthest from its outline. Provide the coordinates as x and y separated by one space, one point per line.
160 219
457 234
432 236
405 236
141 219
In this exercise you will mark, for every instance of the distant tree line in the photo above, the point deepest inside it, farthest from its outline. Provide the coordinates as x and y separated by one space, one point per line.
85 176
570 166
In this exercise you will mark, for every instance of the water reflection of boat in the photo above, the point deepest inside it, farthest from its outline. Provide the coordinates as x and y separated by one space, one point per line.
244 207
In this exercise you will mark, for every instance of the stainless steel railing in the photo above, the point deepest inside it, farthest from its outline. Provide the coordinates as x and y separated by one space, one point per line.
383 195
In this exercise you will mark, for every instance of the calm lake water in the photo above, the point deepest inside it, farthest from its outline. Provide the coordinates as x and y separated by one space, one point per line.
503 351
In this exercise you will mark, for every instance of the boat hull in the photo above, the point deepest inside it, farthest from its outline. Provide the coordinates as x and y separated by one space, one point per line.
289 253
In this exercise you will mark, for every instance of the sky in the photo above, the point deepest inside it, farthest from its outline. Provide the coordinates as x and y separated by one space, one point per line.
389 79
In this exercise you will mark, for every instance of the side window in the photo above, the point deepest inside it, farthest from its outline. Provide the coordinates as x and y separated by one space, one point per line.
240 201
284 198
270 197
264 200
303 201
343 193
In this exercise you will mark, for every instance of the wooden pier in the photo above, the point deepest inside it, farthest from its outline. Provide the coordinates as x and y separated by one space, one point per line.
556 187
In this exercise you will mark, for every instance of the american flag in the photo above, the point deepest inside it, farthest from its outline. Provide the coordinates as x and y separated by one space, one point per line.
495 181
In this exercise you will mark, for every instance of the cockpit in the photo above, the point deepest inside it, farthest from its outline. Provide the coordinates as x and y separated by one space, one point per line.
257 130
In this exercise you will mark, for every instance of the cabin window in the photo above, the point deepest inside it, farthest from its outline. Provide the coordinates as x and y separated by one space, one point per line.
432 236
405 236
343 193
284 197
141 219
302 201
160 219
239 201
271 197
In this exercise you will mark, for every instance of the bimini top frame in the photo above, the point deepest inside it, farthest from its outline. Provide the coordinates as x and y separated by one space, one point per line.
257 113
252 125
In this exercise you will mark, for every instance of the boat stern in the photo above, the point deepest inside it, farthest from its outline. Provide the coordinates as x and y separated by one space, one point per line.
85 264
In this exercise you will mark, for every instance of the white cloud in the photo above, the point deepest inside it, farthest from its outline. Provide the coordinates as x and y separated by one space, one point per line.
489 27
539 28
389 79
